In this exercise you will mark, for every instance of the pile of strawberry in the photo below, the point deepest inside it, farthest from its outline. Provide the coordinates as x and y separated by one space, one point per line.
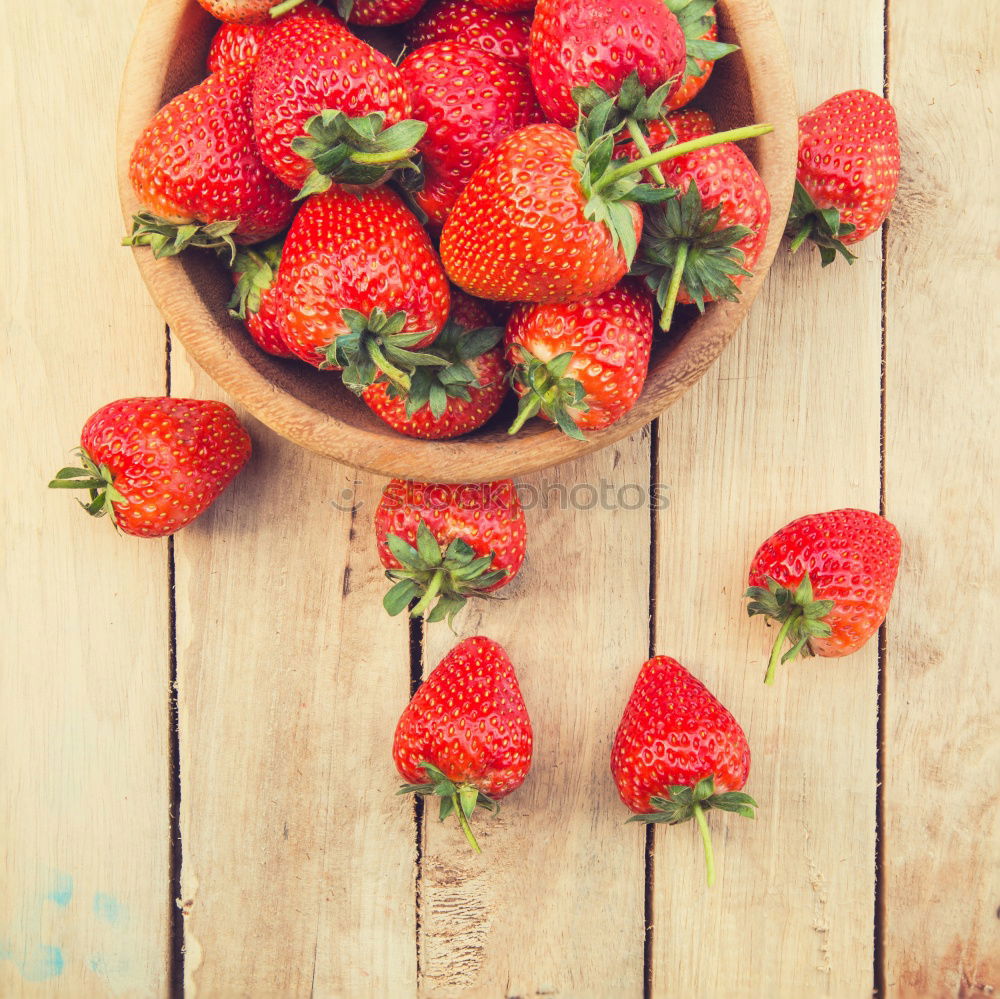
523 166
420 202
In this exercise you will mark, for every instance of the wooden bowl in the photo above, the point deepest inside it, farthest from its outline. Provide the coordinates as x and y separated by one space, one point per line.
311 407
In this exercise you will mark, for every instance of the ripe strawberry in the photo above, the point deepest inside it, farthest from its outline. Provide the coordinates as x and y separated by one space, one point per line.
847 175
378 11
448 542
578 42
701 32
239 11
828 579
581 364
155 464
321 99
465 736
235 43
357 270
449 401
197 172
255 271
699 246
470 101
507 6
679 752
671 130
504 35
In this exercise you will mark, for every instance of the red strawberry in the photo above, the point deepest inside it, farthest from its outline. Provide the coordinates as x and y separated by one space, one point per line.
156 464
448 542
577 42
679 752
240 11
848 172
197 172
701 32
235 43
828 579
378 11
507 6
505 35
676 127
466 736
701 245
449 401
310 63
357 270
470 100
256 273
581 364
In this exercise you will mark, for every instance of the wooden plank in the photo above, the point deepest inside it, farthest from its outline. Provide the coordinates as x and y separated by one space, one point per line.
84 888
554 905
299 860
786 424
941 876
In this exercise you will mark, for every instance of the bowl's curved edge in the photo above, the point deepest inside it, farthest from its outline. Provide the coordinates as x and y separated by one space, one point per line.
465 459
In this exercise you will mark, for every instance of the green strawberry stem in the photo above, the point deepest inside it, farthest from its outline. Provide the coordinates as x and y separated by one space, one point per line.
464 823
398 378
643 146
283 8
772 663
433 589
706 839
804 233
702 142
675 286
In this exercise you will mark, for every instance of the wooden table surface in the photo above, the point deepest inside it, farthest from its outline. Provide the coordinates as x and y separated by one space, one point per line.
196 791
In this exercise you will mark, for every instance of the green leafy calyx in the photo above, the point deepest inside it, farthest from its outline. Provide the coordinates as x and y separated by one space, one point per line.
695 18
97 479
549 391
428 574
167 239
806 220
800 615
257 267
457 798
682 247
374 347
356 151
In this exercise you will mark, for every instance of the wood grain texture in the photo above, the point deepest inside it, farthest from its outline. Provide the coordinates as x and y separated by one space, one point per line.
941 862
310 407
554 905
786 424
298 873
84 891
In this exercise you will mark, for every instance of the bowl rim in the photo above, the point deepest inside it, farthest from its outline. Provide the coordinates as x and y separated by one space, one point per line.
472 458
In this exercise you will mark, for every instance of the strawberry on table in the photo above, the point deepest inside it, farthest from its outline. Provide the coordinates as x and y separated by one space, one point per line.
465 737
445 543
360 287
501 34
457 398
678 752
701 33
235 43
470 101
327 106
701 245
827 579
154 464
198 174
255 271
581 364
848 173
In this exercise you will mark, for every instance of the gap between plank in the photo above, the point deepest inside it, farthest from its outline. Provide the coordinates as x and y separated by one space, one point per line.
650 839
416 675
878 928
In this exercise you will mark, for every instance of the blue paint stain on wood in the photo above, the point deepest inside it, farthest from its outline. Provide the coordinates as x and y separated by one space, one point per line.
108 908
62 893
36 963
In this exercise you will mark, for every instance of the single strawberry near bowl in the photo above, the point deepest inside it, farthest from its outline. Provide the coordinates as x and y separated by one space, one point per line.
679 752
199 177
700 246
327 106
502 34
847 174
152 465
466 737
827 580
441 544
581 364
360 287
455 398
